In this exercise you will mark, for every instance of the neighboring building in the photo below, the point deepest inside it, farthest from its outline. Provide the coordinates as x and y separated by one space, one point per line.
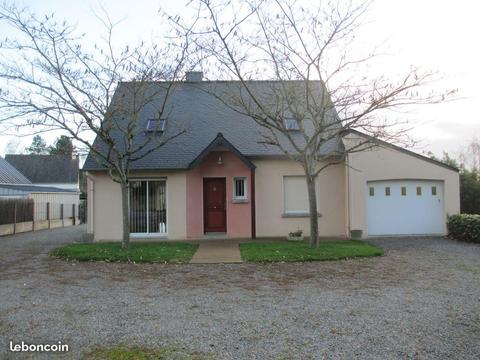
60 171
10 175
52 207
13 184
217 178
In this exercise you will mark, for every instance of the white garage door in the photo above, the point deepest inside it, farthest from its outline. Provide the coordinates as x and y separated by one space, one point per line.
405 207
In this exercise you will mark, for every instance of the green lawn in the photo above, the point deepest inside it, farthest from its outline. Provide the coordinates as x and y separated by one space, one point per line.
139 353
146 252
300 251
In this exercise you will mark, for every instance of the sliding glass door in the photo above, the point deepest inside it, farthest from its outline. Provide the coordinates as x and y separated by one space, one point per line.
148 207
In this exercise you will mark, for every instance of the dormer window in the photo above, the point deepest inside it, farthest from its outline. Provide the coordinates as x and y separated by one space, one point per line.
156 125
291 124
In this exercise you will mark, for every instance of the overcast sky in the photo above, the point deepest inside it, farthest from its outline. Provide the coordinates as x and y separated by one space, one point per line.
438 35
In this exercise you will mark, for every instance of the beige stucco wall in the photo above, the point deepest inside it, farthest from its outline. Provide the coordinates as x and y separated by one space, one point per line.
270 200
90 203
385 163
341 191
105 216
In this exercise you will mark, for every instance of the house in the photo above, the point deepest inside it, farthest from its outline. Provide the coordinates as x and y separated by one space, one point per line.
60 171
218 179
52 206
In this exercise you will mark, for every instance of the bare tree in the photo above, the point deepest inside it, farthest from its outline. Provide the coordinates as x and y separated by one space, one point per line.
13 147
470 155
315 94
52 80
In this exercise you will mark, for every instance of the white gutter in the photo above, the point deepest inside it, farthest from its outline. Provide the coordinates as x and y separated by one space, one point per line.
347 193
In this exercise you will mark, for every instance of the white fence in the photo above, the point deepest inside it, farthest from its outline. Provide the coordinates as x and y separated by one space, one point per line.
54 211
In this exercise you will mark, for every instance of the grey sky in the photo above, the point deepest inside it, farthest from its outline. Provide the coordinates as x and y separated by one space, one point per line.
438 35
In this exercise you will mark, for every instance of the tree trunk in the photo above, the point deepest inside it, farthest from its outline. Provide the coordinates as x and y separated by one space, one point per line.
312 200
125 216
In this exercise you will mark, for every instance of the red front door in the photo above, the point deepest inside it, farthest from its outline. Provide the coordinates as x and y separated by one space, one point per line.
214 205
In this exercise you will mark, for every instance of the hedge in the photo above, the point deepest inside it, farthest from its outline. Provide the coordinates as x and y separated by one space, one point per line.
464 227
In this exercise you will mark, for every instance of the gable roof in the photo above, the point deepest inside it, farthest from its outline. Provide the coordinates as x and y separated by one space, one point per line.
398 148
192 108
46 168
220 141
10 175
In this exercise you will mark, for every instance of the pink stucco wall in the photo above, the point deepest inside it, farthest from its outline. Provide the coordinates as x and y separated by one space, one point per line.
239 221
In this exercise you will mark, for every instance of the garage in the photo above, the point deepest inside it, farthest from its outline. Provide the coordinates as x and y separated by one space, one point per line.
405 207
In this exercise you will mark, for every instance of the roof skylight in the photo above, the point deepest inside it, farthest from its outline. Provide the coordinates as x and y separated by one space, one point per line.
156 125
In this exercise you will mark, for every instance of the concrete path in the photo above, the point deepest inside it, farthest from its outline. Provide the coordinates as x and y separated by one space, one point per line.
217 251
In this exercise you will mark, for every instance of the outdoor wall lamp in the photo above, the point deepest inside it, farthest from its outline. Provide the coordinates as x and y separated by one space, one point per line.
220 160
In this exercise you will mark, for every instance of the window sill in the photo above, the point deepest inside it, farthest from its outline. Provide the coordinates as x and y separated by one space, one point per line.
298 215
239 201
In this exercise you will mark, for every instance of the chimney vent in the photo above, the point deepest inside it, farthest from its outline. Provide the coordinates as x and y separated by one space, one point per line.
193 76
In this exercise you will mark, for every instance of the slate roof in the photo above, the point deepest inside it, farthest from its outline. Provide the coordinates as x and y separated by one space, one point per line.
46 168
192 108
10 175
37 189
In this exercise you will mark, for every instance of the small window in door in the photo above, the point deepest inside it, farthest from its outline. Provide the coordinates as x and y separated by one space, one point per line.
434 190
387 191
372 191
240 189
419 190
404 191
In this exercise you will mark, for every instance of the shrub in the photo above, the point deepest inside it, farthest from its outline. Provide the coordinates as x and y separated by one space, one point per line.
464 227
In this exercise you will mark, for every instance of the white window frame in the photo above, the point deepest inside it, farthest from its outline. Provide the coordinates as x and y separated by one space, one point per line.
148 233
243 198
289 121
159 127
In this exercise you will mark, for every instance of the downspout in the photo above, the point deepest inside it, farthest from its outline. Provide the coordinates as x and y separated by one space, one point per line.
347 191
252 203
92 191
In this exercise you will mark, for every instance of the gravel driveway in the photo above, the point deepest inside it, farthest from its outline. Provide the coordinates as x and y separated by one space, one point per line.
421 300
